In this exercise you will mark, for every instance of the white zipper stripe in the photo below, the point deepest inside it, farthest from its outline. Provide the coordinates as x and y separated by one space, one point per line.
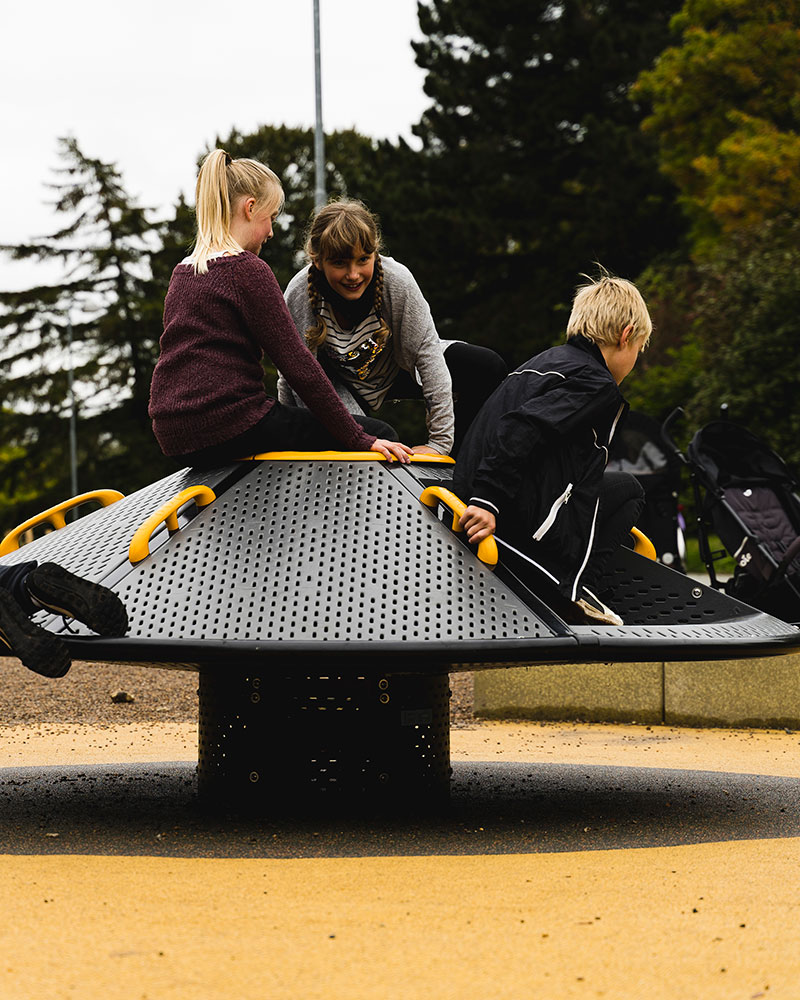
588 551
488 502
548 522
534 371
616 421
527 559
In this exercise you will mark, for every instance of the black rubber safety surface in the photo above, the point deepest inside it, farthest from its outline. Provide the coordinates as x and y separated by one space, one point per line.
494 808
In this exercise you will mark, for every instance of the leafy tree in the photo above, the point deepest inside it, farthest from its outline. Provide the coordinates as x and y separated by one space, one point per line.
109 305
747 324
536 165
726 111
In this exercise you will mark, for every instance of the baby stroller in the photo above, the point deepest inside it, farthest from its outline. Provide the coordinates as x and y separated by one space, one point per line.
639 449
746 495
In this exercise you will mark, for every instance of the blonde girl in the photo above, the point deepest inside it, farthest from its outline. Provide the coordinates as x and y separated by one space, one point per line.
365 318
223 312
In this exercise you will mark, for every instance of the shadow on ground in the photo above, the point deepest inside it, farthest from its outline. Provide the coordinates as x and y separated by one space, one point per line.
495 808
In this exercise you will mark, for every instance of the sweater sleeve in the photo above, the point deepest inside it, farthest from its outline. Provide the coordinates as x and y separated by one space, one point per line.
265 311
421 349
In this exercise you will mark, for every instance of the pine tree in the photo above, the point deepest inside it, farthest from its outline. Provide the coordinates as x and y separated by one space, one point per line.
109 306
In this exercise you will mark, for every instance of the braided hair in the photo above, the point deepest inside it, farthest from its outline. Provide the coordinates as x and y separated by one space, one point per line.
337 231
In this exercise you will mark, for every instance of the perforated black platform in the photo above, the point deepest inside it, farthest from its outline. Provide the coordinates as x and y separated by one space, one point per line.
95 546
324 605
325 553
97 542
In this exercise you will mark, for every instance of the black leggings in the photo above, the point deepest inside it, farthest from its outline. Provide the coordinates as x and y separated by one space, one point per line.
621 504
283 428
476 372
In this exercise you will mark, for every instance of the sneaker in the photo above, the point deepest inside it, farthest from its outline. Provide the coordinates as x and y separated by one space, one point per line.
595 612
55 589
38 650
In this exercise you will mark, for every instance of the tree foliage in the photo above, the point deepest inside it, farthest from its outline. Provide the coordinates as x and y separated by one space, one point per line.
748 327
108 304
536 161
726 111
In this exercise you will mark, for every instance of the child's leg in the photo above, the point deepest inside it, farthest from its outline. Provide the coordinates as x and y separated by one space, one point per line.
39 650
12 579
621 503
476 372
284 428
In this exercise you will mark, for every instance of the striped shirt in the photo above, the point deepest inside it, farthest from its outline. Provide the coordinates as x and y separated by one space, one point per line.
357 358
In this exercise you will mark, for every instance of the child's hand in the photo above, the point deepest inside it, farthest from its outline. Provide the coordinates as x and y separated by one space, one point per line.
423 449
392 450
478 523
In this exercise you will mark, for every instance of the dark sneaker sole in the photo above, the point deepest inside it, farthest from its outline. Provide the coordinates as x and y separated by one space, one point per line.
63 593
38 650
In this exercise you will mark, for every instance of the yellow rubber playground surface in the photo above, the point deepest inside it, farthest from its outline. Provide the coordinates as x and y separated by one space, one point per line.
576 861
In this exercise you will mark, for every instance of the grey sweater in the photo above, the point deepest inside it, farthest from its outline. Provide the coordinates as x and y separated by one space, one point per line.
415 342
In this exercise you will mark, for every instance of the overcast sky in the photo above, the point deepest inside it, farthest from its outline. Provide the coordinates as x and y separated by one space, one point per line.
148 84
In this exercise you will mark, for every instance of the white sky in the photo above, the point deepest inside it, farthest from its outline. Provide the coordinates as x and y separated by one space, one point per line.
147 84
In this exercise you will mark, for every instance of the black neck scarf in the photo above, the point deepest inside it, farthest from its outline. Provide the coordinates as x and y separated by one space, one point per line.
350 311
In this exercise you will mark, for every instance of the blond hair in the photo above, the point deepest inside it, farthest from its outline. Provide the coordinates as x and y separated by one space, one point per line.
222 181
337 231
603 308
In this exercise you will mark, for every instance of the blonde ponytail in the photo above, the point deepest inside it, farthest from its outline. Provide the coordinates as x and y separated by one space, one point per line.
220 183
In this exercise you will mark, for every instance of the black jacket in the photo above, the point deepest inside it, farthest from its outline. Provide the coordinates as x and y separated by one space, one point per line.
536 452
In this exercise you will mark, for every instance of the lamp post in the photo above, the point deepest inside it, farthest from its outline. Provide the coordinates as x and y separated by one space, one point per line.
319 135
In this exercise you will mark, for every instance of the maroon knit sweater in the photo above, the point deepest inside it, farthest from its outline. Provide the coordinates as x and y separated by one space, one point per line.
208 384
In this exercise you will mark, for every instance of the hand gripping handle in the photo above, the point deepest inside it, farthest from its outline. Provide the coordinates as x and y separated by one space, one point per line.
433 495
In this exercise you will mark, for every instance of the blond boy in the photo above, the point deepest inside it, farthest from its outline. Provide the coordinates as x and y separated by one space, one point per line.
531 465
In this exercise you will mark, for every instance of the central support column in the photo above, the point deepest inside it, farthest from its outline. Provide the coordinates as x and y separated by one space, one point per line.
273 739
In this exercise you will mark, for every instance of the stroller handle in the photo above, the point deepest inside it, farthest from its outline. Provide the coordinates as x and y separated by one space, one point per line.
677 414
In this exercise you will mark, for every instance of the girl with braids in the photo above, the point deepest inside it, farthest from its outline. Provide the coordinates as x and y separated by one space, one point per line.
223 312
365 317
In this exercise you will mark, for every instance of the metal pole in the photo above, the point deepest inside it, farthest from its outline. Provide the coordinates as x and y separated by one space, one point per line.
319 135
73 416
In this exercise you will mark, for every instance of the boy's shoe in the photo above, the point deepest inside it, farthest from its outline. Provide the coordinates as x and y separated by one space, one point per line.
40 651
595 611
55 589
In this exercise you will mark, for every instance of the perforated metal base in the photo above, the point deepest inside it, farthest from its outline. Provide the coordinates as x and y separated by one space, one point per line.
278 739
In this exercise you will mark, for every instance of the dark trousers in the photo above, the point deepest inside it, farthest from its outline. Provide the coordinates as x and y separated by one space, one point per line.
12 579
475 371
284 428
621 504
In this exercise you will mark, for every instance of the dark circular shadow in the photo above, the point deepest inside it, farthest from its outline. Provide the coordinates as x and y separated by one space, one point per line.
495 808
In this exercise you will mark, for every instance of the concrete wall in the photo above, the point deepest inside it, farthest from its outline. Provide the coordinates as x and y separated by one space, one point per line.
753 692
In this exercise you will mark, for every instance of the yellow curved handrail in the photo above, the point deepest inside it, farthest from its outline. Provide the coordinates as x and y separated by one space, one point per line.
339 456
487 549
140 543
643 545
55 515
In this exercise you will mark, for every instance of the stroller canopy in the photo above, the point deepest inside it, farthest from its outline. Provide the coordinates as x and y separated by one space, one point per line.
726 454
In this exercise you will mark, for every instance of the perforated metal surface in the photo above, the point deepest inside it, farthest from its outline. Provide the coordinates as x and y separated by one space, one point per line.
271 739
646 593
323 552
97 542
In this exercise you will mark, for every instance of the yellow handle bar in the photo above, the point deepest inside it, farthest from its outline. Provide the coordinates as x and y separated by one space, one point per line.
341 456
55 516
487 549
643 545
140 543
